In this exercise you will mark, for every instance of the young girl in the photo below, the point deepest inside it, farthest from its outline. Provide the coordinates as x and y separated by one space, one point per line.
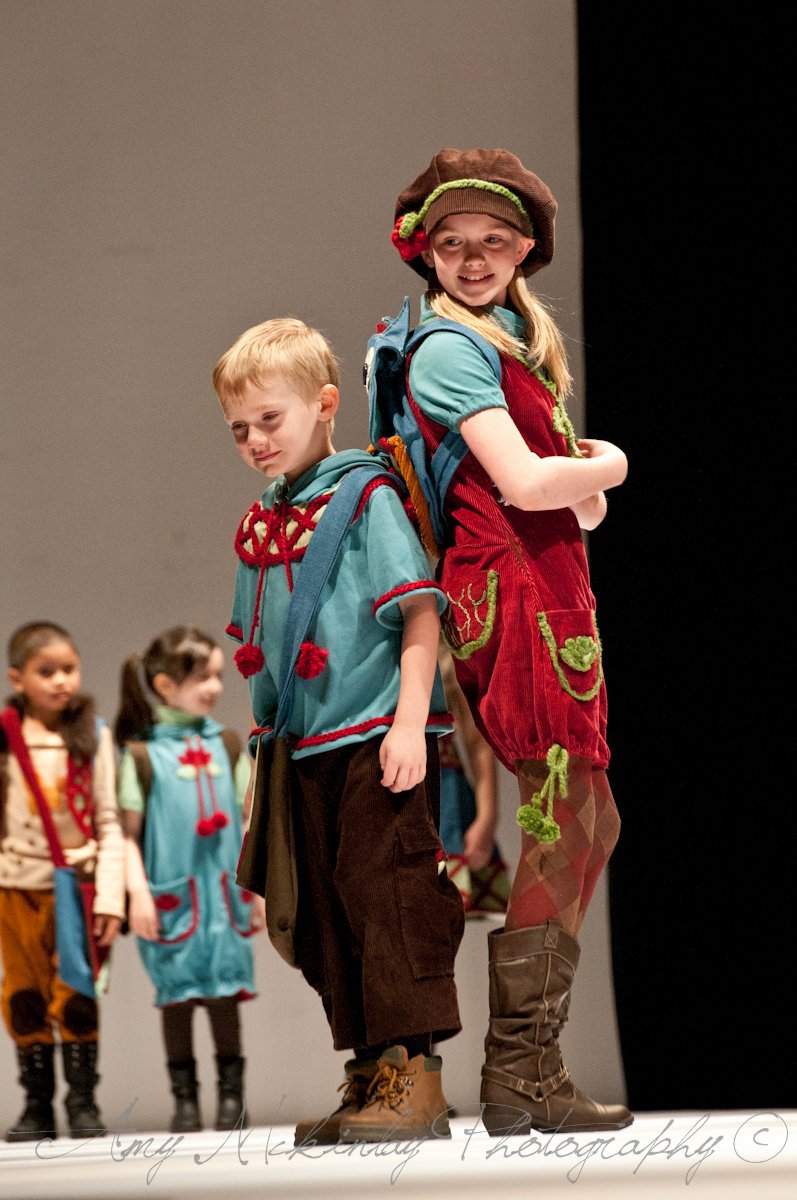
72 758
182 783
521 618
469 806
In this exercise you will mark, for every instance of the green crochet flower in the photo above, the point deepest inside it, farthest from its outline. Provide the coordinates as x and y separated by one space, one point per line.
579 652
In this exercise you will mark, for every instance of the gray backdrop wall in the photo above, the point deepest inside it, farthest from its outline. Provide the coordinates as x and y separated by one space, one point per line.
176 171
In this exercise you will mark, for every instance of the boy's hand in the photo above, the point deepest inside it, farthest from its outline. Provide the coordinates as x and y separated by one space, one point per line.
402 757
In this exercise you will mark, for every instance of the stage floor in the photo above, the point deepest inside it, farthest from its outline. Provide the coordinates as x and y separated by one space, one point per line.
723 1156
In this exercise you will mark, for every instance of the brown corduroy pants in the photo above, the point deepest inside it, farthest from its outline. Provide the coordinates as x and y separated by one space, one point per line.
379 922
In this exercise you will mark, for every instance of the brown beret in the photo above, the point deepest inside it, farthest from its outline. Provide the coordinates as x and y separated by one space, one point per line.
465 181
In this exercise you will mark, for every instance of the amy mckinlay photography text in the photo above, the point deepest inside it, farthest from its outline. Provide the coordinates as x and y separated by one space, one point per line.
757 1139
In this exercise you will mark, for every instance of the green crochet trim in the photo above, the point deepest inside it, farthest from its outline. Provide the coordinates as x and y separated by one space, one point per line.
562 424
453 633
530 817
574 648
412 220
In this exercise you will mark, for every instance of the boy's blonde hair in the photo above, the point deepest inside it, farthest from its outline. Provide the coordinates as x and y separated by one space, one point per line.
282 346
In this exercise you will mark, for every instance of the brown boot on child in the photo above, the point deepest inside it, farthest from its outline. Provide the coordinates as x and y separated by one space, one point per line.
324 1131
405 1100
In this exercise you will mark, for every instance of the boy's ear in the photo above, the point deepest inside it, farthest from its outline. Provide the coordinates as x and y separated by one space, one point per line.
328 401
15 678
427 257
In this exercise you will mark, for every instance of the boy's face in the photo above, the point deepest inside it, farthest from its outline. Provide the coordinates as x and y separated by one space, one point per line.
279 432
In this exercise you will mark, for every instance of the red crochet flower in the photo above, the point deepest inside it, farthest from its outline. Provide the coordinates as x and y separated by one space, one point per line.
311 661
167 902
409 247
249 660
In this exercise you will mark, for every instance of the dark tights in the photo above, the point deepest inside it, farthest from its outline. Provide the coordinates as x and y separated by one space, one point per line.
225 1027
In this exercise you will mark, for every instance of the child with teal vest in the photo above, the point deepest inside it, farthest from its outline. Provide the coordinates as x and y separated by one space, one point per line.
182 786
521 621
378 921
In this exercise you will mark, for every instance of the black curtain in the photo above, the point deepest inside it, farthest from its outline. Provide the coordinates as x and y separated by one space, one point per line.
687 224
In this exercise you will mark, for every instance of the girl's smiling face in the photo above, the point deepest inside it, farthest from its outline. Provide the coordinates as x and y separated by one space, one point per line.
474 257
198 692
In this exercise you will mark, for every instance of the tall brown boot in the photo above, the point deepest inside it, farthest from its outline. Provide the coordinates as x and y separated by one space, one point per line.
525 1084
405 1101
325 1131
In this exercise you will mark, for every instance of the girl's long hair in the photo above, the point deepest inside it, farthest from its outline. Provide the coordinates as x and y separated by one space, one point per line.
177 652
543 346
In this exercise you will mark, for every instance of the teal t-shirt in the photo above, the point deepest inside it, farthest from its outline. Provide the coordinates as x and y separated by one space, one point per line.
347 680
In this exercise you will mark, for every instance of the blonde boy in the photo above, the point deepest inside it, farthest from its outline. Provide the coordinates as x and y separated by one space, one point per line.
379 922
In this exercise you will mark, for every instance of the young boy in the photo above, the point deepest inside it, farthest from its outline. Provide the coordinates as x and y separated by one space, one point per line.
379 922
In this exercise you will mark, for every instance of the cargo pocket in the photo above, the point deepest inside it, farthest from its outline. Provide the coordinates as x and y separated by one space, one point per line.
430 907
571 673
177 905
469 619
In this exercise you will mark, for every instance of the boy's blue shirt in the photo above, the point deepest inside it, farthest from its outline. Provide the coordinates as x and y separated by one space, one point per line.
359 623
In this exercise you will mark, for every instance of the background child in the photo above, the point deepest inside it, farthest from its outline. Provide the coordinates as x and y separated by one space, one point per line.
521 617
182 781
469 806
378 921
73 758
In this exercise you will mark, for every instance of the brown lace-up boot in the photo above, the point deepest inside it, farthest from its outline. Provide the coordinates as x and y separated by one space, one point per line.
525 1084
405 1100
324 1131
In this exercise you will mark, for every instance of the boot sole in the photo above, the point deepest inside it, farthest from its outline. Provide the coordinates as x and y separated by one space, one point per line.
522 1126
390 1133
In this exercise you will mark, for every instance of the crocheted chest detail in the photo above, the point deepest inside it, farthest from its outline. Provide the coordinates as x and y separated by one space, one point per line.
280 534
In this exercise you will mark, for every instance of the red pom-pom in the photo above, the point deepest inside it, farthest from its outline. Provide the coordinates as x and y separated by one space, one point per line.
205 826
220 819
249 660
167 902
311 661
410 247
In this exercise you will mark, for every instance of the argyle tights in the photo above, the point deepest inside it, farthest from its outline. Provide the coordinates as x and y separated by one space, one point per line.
557 880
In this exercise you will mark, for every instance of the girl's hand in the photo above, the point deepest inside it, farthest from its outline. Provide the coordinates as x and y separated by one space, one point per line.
477 843
402 757
142 914
105 928
258 919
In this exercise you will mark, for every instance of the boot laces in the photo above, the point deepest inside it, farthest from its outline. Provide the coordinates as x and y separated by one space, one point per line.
389 1085
354 1091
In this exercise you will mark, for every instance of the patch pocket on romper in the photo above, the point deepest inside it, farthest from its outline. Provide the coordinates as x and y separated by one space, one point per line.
238 903
468 622
430 907
177 905
573 650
